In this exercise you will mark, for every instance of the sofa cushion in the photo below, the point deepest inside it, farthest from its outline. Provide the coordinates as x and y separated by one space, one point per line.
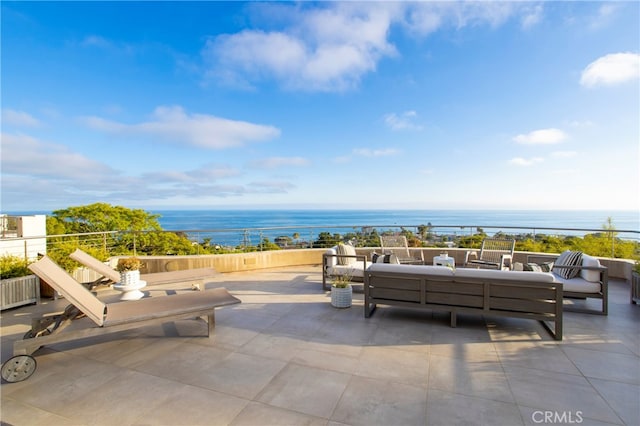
533 267
504 275
568 258
586 274
346 249
355 270
578 285
384 258
411 269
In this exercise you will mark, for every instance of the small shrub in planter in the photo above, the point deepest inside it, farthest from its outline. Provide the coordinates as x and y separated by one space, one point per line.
129 264
18 286
13 266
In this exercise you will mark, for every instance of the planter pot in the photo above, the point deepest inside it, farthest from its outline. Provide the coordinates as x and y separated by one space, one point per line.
635 287
130 278
341 297
19 291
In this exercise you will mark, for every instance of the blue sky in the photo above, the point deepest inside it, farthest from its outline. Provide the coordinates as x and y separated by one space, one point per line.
479 105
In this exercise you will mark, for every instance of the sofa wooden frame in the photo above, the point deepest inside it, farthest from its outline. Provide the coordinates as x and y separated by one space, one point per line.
540 301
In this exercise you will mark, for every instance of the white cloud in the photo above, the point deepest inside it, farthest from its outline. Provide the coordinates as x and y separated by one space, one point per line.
96 41
403 121
366 152
23 154
519 161
541 137
604 16
612 69
331 46
532 16
19 118
277 162
326 49
57 176
564 154
174 125
270 187
424 18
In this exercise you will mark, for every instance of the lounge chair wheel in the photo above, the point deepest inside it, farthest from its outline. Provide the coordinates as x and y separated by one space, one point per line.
18 368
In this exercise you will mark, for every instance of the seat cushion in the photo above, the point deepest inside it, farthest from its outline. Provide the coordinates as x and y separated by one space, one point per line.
545 277
356 269
411 269
568 258
577 285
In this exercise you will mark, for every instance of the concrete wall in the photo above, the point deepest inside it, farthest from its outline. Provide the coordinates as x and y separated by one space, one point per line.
231 262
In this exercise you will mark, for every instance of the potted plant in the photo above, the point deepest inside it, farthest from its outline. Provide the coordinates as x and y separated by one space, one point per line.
129 268
341 291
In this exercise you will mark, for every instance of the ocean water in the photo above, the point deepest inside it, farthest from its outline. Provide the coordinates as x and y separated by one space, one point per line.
271 223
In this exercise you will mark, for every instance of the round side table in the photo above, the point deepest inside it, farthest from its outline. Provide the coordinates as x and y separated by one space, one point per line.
131 292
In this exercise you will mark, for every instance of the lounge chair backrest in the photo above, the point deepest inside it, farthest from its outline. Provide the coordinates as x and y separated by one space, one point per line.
72 290
494 248
93 263
395 244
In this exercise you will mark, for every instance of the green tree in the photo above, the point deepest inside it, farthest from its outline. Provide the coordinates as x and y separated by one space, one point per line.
100 217
140 232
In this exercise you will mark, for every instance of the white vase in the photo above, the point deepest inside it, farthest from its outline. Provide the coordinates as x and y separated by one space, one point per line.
341 297
129 278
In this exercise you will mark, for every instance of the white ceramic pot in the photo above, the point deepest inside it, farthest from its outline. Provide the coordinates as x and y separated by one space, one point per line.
341 297
129 278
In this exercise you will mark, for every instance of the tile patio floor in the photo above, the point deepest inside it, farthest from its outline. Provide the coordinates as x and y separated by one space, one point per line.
286 357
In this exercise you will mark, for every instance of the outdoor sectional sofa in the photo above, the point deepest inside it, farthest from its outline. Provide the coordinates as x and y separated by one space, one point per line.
532 295
588 278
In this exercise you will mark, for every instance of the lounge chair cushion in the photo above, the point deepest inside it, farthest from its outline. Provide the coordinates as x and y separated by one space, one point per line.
568 258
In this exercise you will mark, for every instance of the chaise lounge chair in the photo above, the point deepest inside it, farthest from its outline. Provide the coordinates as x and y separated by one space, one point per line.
111 276
108 317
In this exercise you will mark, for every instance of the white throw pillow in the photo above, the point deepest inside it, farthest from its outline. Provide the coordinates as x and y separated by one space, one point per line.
592 276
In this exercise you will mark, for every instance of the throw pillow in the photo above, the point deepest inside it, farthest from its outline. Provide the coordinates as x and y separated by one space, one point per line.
346 250
590 275
568 258
384 258
534 267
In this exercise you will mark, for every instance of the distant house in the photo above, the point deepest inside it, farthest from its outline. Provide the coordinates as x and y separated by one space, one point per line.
23 236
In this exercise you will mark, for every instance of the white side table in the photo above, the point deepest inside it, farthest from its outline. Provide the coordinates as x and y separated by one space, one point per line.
131 292
444 261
